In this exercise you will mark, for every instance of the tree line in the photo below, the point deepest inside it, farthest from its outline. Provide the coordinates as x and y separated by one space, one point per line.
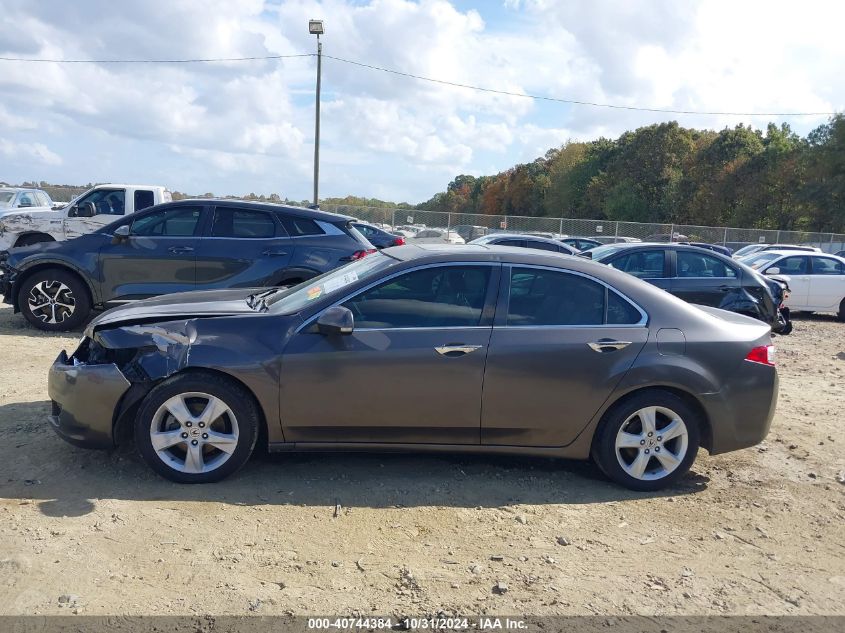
670 174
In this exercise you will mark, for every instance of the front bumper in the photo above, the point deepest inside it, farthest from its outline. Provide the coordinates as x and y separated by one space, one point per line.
85 398
741 414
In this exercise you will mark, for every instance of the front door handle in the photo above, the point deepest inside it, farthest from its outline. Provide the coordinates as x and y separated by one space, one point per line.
607 345
180 250
272 253
725 288
456 350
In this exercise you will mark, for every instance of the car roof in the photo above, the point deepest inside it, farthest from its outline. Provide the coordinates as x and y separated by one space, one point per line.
21 189
797 253
479 253
313 214
517 236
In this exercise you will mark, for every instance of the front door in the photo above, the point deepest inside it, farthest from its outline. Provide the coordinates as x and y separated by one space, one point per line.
797 269
410 372
560 345
109 206
827 283
158 257
703 279
246 248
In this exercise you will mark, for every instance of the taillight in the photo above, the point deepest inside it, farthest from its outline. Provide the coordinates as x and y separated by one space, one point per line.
399 241
362 254
764 355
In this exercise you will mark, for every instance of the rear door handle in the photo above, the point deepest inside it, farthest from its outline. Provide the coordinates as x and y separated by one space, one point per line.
272 253
456 350
607 345
179 250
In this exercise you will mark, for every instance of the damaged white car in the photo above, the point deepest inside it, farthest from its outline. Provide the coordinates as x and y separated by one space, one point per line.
36 220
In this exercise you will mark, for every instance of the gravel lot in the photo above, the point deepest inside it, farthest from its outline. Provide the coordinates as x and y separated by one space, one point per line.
754 532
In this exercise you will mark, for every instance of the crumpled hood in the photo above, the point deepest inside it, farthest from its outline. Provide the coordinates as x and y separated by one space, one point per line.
183 305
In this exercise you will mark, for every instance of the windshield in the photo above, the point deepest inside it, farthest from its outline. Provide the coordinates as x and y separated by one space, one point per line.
747 250
601 251
755 261
6 198
331 283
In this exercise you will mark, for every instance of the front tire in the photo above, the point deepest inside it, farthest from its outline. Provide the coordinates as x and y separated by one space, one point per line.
54 300
841 314
649 441
197 428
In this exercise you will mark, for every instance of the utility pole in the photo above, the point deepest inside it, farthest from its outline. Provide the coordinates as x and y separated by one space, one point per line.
315 27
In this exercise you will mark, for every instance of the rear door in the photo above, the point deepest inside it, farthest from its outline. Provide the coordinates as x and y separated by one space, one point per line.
797 268
651 265
827 283
561 342
242 248
157 258
703 279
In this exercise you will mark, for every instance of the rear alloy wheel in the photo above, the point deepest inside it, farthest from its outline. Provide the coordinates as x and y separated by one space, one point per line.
649 442
54 300
197 428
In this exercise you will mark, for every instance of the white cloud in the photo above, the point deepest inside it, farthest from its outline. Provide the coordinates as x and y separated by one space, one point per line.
248 126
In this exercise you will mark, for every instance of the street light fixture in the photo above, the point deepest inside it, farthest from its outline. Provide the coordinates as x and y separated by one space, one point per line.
315 27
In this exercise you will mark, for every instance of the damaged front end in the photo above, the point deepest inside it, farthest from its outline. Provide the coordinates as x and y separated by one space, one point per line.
96 391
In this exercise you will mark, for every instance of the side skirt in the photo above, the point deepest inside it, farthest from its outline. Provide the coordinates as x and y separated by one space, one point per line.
569 452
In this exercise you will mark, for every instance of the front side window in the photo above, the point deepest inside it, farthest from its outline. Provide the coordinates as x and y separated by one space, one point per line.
439 296
827 266
106 201
795 265
547 297
642 264
700 265
242 223
43 200
179 222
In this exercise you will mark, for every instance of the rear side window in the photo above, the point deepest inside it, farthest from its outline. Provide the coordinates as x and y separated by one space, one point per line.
642 264
510 243
144 199
179 222
699 265
547 297
297 227
543 246
827 266
242 223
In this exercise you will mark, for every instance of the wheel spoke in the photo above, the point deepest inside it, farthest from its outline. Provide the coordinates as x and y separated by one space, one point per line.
69 306
667 459
226 442
40 288
178 409
637 467
628 440
39 306
674 429
648 417
213 410
193 459
166 439
53 319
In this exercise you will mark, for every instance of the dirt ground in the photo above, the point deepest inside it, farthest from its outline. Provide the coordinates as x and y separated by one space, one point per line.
759 531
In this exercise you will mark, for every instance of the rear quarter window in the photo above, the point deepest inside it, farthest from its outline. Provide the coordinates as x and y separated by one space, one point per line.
298 227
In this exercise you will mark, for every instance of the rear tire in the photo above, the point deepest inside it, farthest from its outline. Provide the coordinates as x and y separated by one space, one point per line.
29 240
197 428
54 300
649 441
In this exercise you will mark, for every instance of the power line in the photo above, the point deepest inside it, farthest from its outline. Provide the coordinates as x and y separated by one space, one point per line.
569 101
153 61
400 73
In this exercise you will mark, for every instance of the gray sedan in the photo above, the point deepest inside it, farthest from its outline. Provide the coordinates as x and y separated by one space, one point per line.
527 352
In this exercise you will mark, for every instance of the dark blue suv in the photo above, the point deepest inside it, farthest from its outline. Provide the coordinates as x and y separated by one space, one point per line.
175 247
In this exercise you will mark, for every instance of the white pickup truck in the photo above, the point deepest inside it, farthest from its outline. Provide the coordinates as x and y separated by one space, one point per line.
86 213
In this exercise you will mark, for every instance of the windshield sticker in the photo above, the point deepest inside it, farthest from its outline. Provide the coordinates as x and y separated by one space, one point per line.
339 282
314 292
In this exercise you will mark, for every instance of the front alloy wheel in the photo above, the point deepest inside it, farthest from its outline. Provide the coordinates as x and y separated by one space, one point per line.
54 299
197 427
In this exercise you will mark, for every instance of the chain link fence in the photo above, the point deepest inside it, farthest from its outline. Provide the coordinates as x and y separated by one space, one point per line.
607 231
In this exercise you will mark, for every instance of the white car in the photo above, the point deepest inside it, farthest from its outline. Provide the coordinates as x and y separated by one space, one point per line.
438 236
816 280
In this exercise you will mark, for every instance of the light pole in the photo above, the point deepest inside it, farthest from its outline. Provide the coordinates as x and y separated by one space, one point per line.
315 27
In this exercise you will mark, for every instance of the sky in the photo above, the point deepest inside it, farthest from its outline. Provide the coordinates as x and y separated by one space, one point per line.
248 127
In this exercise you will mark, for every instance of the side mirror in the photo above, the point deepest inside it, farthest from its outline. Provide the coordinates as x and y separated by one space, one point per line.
585 254
86 210
121 233
336 320
774 270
